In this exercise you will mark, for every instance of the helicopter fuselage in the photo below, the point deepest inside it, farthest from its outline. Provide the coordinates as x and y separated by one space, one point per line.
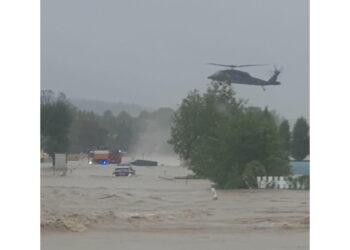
230 76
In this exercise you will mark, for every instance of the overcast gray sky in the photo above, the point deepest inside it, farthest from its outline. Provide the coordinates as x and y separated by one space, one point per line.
153 52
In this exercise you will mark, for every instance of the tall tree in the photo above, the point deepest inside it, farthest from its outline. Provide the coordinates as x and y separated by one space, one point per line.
188 125
56 119
221 139
285 135
300 141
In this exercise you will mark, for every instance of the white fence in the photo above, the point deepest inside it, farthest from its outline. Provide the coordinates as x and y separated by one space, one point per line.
280 182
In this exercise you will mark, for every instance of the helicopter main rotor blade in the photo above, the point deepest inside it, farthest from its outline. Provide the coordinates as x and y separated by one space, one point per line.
224 65
237 66
250 65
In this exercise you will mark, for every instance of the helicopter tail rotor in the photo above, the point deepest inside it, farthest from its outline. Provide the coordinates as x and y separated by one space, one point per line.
279 70
275 74
276 69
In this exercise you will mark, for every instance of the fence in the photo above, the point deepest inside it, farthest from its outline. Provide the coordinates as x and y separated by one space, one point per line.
283 182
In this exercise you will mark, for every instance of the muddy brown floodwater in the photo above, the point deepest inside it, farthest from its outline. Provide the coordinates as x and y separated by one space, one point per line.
90 209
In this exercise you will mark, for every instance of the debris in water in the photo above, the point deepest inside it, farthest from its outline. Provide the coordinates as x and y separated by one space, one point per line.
215 195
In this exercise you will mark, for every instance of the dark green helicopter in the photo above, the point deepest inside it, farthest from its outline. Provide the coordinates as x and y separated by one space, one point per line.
232 75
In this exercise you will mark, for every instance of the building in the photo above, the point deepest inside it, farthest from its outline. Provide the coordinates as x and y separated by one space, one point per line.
300 167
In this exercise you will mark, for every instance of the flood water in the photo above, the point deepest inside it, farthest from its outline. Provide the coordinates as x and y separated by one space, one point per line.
88 208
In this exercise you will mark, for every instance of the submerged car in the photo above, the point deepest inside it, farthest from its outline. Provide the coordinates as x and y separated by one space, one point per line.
124 171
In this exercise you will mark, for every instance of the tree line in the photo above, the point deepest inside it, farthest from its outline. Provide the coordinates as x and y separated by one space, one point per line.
64 128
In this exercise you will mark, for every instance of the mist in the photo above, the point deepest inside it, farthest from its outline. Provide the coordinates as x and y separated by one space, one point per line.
153 140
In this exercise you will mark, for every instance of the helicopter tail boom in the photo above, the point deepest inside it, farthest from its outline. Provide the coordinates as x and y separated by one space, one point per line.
273 79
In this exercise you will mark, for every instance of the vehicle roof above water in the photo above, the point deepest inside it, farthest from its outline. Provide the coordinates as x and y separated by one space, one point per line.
123 167
100 151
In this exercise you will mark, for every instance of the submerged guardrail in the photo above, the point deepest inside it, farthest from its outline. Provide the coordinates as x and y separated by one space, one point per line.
283 182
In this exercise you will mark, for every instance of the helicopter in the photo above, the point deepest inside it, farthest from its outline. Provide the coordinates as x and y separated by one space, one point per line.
232 75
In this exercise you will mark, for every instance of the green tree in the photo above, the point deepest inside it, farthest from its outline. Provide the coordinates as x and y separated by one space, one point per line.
251 170
188 125
198 115
300 141
285 136
277 165
91 131
56 119
219 137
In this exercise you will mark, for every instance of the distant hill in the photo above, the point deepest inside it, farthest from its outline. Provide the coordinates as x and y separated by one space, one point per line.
99 107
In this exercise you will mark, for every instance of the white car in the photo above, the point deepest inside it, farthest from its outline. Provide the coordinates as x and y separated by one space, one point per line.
124 171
